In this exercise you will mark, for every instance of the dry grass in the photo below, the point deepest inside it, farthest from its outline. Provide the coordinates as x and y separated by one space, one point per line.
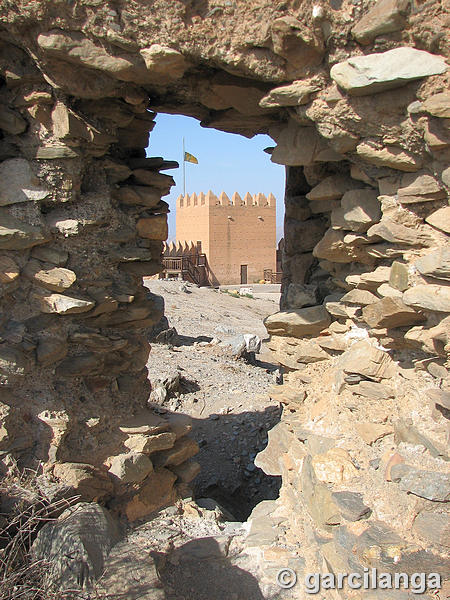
21 577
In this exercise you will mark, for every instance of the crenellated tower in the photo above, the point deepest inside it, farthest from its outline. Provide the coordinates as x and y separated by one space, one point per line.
237 234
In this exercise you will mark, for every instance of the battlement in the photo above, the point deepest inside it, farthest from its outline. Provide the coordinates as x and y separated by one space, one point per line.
171 249
210 199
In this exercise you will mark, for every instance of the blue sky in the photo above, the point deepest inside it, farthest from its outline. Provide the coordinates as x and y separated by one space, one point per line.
227 162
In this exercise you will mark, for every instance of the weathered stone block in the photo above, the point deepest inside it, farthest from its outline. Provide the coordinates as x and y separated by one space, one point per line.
147 444
63 305
55 279
156 492
187 471
359 297
366 360
420 187
18 183
144 423
393 157
163 62
294 94
90 483
436 264
84 530
429 297
395 233
371 432
298 323
399 276
153 228
334 466
17 235
361 75
294 353
359 210
183 449
440 219
9 270
318 498
297 145
372 390
351 506
432 485
390 312
332 187
438 105
385 16
132 467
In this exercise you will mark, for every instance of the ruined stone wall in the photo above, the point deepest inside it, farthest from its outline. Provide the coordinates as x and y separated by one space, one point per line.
355 95
82 221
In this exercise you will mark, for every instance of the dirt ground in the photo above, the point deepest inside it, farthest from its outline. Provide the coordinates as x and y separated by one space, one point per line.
227 398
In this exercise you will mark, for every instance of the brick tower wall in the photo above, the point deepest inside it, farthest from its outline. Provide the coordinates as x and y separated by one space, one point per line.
233 233
192 222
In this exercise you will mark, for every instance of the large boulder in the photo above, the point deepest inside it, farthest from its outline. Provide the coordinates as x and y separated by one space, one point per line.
381 71
75 546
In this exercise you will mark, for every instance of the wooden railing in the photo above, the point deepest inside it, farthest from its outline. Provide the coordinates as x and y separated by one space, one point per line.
188 267
273 277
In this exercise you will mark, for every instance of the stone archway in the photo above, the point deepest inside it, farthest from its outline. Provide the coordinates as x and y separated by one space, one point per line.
365 142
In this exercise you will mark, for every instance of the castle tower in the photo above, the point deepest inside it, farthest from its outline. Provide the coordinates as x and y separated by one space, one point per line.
238 236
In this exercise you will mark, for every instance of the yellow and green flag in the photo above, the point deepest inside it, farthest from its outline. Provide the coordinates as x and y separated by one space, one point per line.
190 158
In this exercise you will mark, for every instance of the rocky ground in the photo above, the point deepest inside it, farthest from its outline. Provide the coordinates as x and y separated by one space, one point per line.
226 397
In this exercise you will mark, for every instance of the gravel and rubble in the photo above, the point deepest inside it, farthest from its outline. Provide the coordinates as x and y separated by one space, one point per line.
225 396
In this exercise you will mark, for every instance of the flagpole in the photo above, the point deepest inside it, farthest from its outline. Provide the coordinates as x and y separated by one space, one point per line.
184 171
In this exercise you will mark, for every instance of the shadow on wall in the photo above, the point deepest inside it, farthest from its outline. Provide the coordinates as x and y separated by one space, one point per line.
199 570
